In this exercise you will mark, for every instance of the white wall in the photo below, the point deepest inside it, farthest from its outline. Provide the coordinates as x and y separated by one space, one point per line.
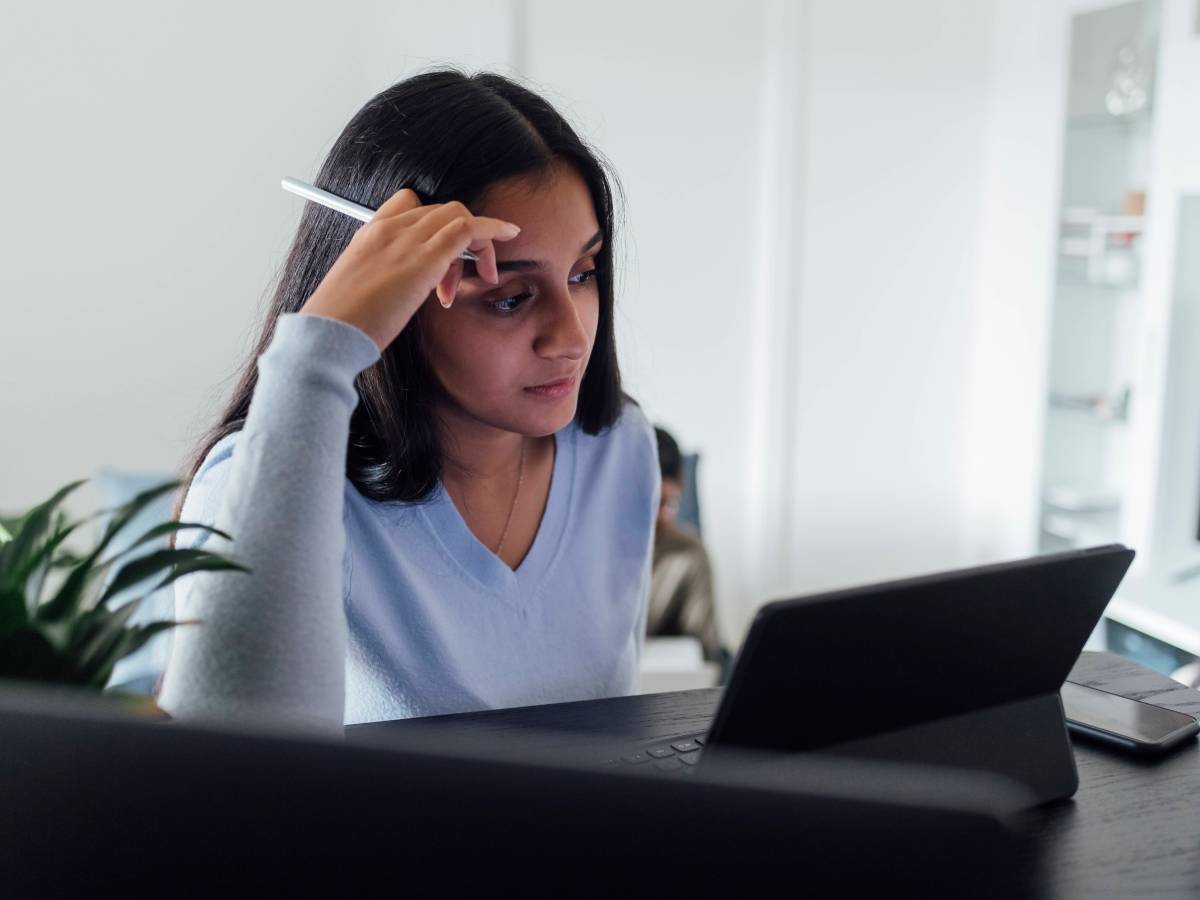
144 222
810 186
896 127
1013 278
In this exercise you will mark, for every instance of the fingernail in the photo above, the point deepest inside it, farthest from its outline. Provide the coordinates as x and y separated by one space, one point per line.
514 230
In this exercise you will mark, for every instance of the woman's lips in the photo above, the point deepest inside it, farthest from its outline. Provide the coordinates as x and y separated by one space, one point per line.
553 390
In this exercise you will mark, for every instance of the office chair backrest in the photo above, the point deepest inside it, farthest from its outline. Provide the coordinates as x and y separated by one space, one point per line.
689 499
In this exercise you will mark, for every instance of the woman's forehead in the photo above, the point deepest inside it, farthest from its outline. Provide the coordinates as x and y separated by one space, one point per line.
555 213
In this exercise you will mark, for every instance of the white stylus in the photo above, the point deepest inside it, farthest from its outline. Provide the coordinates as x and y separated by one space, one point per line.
342 205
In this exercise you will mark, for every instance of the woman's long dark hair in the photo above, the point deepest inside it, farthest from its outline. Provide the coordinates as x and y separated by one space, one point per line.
448 136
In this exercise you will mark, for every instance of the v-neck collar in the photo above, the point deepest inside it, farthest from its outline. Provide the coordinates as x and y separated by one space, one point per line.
489 571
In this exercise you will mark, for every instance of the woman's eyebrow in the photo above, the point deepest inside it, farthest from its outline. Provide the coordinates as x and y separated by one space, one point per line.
525 265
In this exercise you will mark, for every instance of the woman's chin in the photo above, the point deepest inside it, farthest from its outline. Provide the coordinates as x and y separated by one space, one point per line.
549 419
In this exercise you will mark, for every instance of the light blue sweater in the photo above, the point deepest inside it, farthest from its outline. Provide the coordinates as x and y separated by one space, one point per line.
361 611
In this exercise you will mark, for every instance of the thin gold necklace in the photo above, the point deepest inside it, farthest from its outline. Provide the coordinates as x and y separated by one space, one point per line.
516 494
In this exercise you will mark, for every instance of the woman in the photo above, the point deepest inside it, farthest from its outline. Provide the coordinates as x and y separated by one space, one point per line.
445 505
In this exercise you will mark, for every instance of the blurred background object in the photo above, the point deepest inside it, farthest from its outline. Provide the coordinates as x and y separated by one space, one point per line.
681 623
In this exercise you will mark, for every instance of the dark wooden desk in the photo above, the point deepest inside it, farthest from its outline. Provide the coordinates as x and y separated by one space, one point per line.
1132 829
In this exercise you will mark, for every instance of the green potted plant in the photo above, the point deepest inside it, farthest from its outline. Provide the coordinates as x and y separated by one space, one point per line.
73 636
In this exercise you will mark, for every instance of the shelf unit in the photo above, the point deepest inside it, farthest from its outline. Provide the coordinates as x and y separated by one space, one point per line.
1093 387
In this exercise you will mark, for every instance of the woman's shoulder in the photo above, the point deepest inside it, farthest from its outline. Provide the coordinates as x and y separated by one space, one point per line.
214 468
639 432
631 431
205 489
626 450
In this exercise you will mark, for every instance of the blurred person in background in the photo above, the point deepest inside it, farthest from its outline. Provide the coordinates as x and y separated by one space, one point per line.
681 582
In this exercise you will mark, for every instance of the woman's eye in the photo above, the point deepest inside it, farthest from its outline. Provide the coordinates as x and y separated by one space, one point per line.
509 305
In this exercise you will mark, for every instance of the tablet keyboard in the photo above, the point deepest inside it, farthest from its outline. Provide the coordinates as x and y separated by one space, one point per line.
677 754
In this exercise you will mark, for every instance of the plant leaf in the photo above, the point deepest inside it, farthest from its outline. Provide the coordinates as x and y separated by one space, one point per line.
65 560
112 642
144 567
40 563
69 599
76 637
57 634
166 528
131 641
14 613
70 596
122 515
29 530
213 563
40 559
106 631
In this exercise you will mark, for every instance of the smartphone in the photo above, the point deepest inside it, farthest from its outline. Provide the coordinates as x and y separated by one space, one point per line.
1129 724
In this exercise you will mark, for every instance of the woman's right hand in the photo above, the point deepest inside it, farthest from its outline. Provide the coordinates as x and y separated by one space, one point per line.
396 260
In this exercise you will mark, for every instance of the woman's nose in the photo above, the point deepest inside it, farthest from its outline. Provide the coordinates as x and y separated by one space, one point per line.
562 333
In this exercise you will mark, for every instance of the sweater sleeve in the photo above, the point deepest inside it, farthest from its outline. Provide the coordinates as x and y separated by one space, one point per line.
271 645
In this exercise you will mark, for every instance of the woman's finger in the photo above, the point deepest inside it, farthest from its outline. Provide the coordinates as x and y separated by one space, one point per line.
400 202
446 246
404 210
434 217
486 266
472 231
420 223
425 227
455 236
448 286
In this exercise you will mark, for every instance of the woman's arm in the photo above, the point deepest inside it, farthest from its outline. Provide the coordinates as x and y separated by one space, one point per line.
272 644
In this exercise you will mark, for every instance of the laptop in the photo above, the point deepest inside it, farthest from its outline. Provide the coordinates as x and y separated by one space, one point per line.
960 668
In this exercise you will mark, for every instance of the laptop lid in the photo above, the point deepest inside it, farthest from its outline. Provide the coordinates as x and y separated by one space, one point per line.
824 669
